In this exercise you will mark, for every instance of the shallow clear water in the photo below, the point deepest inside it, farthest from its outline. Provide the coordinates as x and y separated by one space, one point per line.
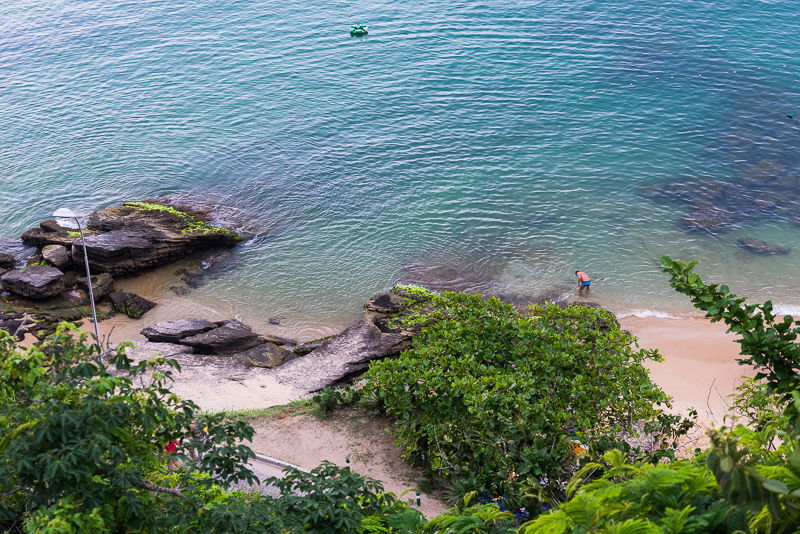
509 141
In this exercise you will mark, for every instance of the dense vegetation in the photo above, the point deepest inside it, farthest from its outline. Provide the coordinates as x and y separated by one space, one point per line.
488 398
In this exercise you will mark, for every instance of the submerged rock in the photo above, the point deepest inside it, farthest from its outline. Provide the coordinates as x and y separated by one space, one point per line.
707 218
35 282
757 246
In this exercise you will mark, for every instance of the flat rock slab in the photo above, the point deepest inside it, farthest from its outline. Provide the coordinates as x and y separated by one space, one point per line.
35 282
338 360
176 330
223 340
117 251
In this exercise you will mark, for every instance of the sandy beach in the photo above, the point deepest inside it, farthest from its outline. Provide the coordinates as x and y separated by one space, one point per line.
699 370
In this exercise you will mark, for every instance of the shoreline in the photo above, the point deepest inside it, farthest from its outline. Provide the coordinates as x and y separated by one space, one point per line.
699 371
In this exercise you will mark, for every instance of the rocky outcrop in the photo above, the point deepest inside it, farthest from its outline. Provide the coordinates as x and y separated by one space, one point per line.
223 338
117 240
135 236
35 282
757 246
130 304
340 359
56 255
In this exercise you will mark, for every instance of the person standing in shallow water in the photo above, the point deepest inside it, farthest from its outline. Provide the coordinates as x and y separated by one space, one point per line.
583 282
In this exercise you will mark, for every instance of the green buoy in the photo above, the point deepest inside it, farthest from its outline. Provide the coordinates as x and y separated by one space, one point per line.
359 29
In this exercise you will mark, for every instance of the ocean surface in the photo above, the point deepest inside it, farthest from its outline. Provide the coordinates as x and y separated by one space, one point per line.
492 146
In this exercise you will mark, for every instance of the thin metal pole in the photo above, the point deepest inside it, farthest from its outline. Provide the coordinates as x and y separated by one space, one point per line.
89 282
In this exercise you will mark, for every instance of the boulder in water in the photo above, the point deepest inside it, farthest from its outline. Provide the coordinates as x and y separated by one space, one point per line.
7 261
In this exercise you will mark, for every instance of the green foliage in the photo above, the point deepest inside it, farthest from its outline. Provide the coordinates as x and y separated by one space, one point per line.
474 519
75 233
40 263
127 310
487 395
767 343
747 482
191 223
82 433
677 497
330 500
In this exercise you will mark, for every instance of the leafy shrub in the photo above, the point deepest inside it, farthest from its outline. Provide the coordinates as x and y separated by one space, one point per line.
489 395
328 399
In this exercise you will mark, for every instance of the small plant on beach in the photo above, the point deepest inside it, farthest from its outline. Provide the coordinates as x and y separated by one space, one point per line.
74 234
328 399
492 395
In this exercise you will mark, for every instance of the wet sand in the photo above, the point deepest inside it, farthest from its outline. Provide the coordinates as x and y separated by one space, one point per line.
699 368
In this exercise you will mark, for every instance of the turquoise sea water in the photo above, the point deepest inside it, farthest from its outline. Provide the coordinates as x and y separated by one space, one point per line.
505 144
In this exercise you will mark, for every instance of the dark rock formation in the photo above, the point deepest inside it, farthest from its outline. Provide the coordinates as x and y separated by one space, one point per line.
223 340
176 330
266 355
7 261
130 304
56 255
135 236
34 282
760 247
229 337
14 323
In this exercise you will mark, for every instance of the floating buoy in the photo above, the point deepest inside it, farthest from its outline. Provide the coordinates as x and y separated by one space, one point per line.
359 29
